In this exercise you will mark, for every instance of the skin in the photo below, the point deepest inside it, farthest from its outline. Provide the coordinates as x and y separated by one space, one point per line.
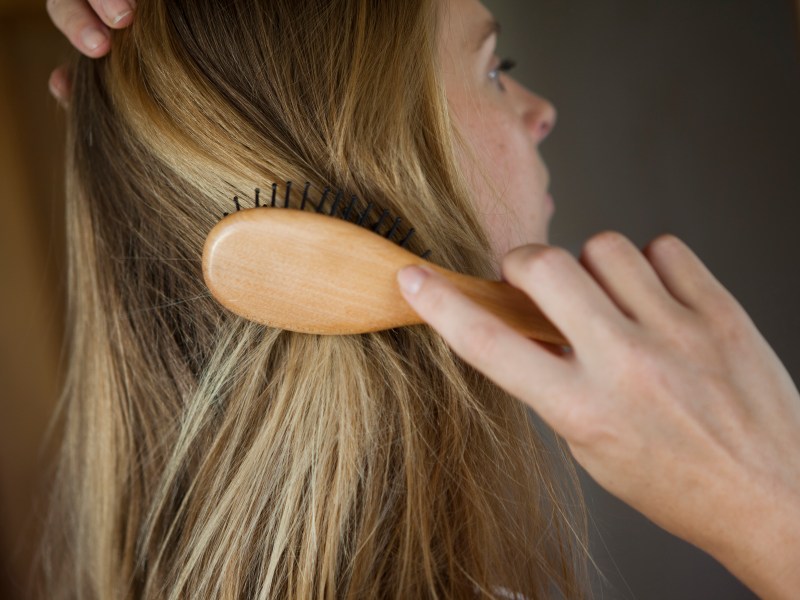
502 124
86 24
670 397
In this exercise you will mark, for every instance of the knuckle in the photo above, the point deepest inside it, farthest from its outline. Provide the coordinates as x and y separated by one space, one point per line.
512 263
547 260
664 244
606 242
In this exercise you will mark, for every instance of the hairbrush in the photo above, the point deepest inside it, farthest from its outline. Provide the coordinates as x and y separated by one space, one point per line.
304 271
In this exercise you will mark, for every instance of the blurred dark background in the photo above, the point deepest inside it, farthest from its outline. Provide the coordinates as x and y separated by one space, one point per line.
678 116
674 115
31 146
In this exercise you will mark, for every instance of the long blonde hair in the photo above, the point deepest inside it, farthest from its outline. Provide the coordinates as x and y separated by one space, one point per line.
205 456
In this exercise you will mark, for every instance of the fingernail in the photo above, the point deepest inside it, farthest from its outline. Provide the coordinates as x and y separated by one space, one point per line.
92 37
117 10
121 17
411 279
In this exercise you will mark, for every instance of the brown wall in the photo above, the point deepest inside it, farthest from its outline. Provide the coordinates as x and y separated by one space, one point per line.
31 141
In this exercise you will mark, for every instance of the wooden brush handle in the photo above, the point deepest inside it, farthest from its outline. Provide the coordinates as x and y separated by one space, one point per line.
510 304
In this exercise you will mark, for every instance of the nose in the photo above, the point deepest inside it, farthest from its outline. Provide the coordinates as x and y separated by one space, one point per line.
539 116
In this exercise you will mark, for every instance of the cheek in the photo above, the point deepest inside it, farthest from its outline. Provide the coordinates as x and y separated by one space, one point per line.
501 166
490 136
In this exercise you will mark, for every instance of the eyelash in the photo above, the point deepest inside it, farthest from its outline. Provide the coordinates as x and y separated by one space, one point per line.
504 67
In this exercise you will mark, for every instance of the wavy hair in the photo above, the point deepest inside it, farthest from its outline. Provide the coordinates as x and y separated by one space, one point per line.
205 456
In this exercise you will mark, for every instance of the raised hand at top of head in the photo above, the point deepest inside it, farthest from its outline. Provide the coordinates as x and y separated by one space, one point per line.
86 25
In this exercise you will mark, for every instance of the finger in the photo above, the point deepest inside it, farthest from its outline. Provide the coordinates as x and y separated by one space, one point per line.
685 275
518 365
565 292
117 14
61 85
83 28
628 278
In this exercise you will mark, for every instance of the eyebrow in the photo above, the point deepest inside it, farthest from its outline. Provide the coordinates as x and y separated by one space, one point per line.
489 28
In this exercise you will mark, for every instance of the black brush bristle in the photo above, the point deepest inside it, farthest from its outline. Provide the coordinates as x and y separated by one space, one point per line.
350 207
336 202
288 194
361 218
408 237
325 193
305 196
377 225
364 215
392 231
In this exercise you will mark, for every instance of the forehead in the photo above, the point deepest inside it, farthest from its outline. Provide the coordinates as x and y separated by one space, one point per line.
465 23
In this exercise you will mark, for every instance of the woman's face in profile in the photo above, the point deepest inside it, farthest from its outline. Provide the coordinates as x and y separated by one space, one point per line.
503 123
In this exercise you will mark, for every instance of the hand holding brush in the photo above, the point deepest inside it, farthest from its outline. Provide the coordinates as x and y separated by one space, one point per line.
671 398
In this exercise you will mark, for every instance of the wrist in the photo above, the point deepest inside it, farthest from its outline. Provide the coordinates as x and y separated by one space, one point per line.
761 545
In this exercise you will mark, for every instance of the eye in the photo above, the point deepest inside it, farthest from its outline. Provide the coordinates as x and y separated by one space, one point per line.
504 67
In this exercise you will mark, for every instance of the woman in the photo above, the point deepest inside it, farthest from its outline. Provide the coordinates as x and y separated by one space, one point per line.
665 335
205 456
